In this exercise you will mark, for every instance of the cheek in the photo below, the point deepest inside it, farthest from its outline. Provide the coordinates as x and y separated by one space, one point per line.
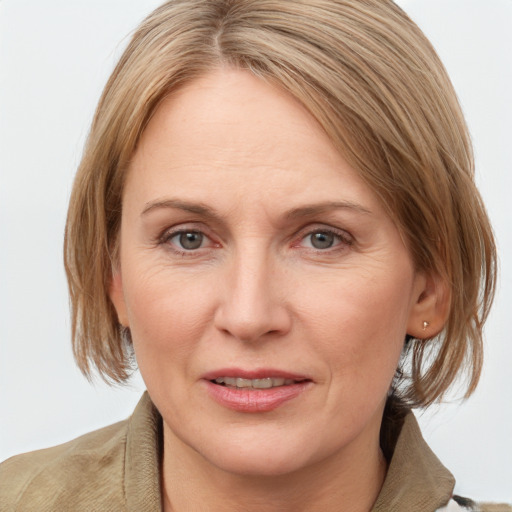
168 314
360 323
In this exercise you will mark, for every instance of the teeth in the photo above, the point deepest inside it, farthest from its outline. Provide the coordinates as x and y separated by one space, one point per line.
237 382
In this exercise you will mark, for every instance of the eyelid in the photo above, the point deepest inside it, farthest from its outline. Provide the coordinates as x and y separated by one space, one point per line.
180 227
170 232
345 237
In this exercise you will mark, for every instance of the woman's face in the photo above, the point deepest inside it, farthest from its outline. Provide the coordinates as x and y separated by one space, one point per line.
252 255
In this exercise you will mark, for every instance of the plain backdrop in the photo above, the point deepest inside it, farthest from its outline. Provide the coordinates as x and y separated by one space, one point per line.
55 57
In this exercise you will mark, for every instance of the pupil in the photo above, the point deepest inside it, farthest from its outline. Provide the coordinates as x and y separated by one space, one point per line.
322 240
191 241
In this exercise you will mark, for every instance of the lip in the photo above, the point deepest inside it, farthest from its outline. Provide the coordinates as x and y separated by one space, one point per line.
257 373
255 400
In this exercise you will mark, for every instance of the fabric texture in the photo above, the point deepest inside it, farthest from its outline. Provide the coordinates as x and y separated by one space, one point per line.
112 469
117 469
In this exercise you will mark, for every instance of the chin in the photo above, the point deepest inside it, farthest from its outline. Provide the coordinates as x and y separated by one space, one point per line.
266 452
259 462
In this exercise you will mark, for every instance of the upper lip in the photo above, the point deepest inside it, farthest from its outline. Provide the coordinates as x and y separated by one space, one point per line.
257 373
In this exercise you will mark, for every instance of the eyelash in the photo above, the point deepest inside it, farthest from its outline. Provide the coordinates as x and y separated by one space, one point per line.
343 238
167 236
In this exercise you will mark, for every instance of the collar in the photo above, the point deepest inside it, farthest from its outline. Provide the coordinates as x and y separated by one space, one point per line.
142 458
416 479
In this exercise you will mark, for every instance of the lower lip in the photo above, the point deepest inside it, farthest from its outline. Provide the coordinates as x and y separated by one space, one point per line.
255 400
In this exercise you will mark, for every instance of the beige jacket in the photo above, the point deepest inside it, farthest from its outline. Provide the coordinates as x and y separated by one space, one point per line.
117 469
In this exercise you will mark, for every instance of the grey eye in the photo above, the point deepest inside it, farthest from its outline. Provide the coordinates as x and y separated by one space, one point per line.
322 240
190 240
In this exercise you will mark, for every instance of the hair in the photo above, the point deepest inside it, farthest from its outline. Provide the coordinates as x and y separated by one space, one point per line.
373 81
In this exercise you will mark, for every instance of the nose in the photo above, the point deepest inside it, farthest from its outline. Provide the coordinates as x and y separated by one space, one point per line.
253 303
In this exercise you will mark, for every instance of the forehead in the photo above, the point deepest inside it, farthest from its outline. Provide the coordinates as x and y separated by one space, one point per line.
233 110
233 136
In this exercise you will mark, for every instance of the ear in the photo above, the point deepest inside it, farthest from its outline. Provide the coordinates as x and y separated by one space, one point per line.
116 295
431 306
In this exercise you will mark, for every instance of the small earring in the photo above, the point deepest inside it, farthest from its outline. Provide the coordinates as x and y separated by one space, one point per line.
425 325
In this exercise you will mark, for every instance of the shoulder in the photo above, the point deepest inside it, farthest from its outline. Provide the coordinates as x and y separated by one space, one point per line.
55 478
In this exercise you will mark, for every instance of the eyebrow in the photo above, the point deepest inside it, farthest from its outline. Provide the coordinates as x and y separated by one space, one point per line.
309 210
198 208
177 204
325 207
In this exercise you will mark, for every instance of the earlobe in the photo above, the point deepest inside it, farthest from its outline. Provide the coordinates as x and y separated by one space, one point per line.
116 295
431 308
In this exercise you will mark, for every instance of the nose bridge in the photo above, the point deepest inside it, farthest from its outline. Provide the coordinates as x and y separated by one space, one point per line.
251 305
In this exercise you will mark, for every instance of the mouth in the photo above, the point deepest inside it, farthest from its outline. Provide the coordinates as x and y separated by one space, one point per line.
264 383
255 391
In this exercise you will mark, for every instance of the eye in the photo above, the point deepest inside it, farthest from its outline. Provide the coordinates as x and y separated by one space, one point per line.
188 240
324 239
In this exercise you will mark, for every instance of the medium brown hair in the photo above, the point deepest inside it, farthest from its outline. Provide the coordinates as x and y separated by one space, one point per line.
375 84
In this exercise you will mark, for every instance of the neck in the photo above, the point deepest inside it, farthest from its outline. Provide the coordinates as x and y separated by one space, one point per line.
350 481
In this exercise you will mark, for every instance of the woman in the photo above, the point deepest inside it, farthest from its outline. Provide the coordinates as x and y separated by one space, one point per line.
276 213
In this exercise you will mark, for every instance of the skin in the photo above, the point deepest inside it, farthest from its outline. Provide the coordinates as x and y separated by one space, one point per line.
258 293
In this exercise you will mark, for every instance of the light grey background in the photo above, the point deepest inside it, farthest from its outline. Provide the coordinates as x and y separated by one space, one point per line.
55 57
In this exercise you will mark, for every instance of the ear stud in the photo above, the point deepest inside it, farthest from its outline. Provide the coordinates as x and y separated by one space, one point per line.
425 325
